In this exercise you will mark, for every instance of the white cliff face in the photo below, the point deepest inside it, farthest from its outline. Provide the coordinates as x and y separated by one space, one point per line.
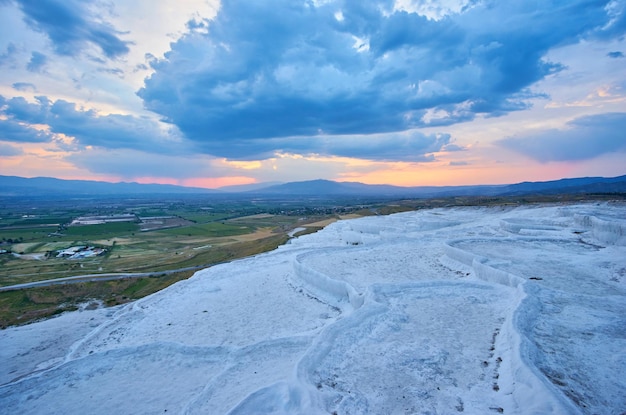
475 310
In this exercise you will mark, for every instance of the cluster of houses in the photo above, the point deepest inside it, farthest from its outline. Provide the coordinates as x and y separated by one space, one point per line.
80 252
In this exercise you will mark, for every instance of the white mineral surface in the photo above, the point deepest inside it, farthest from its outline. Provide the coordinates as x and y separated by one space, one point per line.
514 310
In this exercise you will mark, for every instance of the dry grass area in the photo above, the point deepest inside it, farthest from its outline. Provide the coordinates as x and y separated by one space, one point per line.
257 216
326 222
320 223
258 234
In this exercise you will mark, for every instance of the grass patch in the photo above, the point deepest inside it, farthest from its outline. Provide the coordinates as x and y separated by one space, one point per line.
138 286
25 306
45 220
25 235
224 253
19 307
308 230
105 230
203 217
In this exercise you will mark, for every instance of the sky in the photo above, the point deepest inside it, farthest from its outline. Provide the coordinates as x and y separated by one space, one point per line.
212 93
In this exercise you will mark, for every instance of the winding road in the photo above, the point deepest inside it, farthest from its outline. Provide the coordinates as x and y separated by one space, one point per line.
101 277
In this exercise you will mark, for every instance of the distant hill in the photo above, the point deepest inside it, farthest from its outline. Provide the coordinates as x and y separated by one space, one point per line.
331 188
44 186
238 188
576 185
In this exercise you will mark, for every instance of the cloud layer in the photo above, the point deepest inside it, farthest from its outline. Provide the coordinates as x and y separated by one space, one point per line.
265 70
72 26
584 138
87 127
381 90
24 122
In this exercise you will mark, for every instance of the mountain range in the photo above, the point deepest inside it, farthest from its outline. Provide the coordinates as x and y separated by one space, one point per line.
12 186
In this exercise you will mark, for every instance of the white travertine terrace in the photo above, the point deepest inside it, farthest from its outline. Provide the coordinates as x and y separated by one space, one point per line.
457 310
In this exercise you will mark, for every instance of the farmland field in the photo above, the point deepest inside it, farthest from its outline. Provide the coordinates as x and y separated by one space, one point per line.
33 253
154 237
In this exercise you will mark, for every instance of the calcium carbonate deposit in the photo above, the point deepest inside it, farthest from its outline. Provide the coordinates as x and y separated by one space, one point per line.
514 310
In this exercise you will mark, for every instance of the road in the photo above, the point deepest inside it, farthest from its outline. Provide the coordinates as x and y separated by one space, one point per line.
99 277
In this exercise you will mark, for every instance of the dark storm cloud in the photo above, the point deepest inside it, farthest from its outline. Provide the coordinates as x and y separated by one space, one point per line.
87 126
264 70
584 138
72 26
37 62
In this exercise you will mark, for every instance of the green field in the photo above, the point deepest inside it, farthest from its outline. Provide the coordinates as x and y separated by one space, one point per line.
202 216
206 237
106 230
25 234
128 250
